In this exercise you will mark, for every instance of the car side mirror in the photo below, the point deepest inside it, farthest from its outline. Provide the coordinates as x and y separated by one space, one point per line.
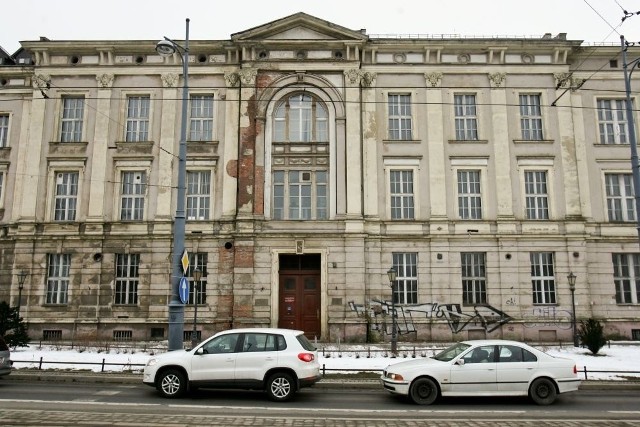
460 361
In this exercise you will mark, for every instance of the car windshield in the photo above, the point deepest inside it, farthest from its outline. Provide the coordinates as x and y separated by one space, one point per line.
451 352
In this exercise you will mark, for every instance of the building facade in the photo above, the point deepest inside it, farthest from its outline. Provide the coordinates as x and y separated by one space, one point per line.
484 170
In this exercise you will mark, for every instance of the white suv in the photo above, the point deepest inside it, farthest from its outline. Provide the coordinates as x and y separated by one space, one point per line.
278 361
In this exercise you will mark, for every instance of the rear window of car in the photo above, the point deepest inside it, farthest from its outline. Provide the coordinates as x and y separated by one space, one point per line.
3 345
305 343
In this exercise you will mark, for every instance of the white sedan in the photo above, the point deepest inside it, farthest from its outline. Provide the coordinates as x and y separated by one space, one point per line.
483 368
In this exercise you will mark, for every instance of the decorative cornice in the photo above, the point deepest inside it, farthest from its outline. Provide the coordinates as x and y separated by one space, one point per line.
105 81
169 80
497 79
433 79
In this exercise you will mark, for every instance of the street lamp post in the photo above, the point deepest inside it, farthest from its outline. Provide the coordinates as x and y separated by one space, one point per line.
197 274
22 276
635 164
168 47
392 273
571 278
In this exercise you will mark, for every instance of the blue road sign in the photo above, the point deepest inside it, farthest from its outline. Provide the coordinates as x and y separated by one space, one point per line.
184 290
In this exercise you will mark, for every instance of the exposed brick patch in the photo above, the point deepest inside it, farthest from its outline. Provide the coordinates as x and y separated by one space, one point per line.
244 256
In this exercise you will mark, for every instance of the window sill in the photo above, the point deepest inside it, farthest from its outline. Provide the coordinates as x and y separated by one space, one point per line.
533 141
468 141
401 141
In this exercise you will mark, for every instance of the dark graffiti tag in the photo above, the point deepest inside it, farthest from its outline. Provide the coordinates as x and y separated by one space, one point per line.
483 315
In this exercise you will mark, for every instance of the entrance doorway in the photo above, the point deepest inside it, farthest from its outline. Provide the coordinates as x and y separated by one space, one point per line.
299 306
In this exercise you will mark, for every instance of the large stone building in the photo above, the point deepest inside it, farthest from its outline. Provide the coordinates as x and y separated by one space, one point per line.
485 170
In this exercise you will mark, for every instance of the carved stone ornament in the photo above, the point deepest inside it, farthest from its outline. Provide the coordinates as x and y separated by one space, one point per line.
232 79
433 79
42 82
105 81
562 80
365 78
169 80
497 79
248 76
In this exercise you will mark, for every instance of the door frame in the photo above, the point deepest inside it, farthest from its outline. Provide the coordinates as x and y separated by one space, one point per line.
275 285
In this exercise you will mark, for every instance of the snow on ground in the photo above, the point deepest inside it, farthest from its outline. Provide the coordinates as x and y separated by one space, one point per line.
617 357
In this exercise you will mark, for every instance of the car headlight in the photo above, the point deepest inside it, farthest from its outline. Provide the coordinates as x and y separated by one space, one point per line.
395 377
152 361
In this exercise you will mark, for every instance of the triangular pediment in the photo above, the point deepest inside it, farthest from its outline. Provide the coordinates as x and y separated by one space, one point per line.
299 26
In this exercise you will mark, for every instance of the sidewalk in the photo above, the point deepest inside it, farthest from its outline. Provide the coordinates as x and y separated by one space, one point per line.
329 381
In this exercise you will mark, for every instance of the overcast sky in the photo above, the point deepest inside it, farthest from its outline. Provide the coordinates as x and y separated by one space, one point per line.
593 21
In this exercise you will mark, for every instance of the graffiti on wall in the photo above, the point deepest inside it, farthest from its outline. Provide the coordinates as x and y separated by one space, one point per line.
479 316
549 316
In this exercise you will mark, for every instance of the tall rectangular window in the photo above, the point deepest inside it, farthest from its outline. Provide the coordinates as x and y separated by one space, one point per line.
612 121
542 278
626 277
4 130
469 197
127 278
58 278
405 288
537 195
198 195
72 116
198 260
400 120
300 194
474 278
201 118
620 197
137 127
530 117
133 190
401 191
466 119
66 197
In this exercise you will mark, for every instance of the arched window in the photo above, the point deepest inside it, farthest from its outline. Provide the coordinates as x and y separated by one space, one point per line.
300 159
300 118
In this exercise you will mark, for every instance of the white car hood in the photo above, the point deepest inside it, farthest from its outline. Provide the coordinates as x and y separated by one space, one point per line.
414 363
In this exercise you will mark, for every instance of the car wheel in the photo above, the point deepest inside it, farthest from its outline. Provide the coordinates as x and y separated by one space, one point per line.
423 391
280 387
171 383
543 391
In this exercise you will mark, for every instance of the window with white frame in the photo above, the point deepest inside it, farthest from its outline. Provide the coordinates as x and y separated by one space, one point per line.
201 118
4 130
198 195
58 267
474 277
542 278
401 194
612 121
300 118
626 277
536 194
132 195
137 123
466 117
400 119
405 288
620 197
530 117
127 279
198 260
300 194
66 196
72 118
469 196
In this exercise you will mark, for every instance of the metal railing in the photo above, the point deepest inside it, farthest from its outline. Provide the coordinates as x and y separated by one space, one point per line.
129 367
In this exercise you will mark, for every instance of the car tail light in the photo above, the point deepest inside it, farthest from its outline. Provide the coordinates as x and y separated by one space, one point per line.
575 369
306 357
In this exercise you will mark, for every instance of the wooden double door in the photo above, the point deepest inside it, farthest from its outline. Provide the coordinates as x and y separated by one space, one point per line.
299 306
